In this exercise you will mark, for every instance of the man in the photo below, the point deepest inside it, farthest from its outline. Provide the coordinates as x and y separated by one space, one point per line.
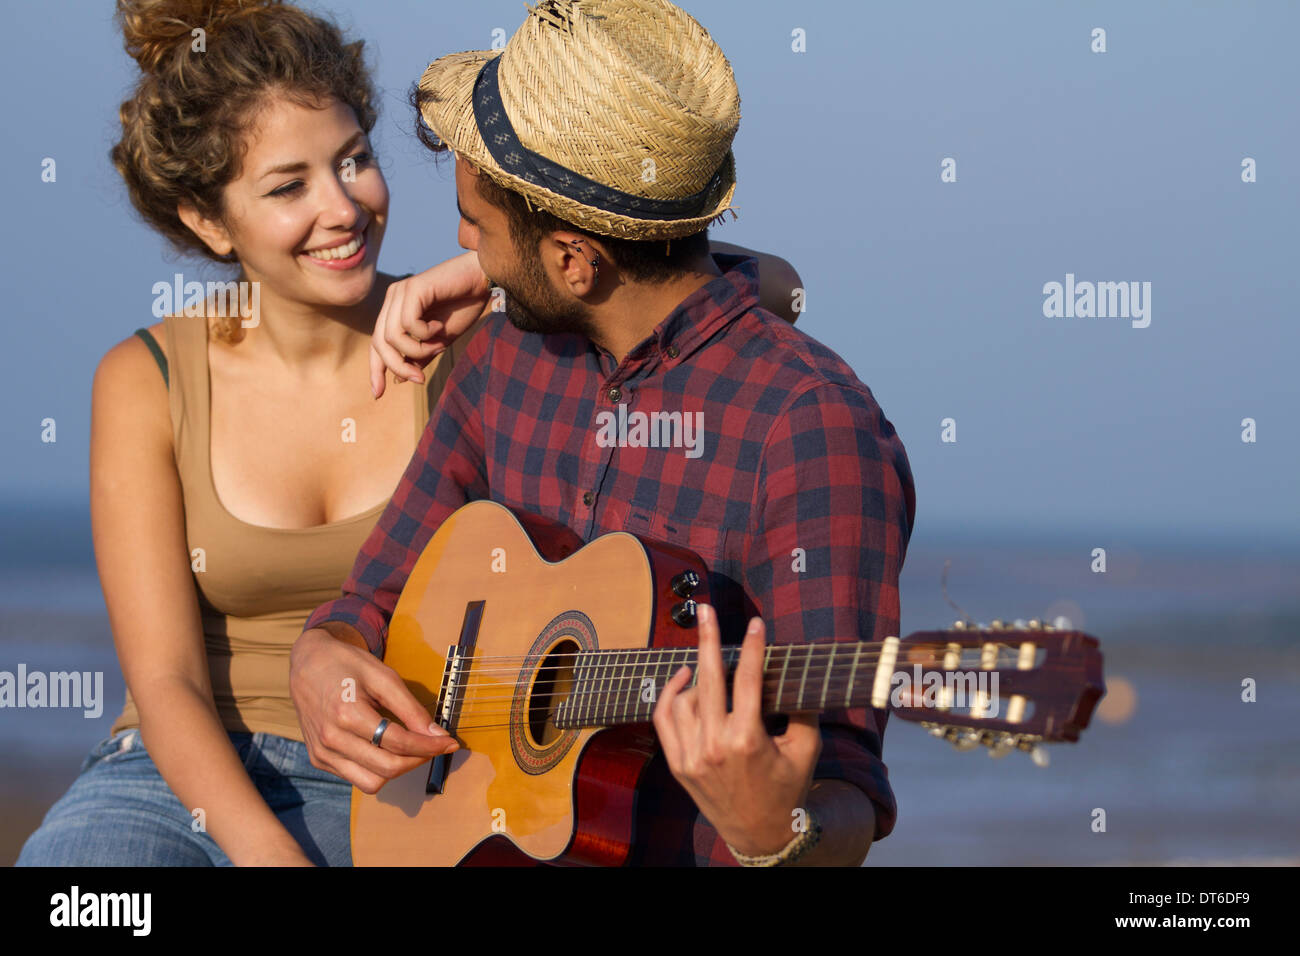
799 497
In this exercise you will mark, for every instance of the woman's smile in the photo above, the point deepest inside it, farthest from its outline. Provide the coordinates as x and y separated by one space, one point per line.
347 252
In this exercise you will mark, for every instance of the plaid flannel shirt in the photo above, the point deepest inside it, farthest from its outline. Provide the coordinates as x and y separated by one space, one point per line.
796 459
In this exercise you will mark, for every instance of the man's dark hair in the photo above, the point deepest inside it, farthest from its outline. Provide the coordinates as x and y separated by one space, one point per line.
656 260
651 261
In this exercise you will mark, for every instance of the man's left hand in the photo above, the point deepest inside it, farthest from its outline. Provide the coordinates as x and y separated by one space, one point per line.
747 783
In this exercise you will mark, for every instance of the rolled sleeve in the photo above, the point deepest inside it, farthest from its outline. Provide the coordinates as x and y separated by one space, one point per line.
828 535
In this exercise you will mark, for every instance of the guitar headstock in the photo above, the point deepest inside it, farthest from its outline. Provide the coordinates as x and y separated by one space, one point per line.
1007 686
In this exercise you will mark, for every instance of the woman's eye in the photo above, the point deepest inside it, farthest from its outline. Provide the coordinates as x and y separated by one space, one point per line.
359 159
352 162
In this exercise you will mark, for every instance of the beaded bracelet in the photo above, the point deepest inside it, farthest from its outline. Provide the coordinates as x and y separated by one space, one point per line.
800 844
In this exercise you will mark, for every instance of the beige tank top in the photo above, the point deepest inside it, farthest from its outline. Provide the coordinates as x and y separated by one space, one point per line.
258 585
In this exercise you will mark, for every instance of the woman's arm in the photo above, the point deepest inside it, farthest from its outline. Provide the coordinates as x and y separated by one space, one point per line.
777 280
138 522
423 314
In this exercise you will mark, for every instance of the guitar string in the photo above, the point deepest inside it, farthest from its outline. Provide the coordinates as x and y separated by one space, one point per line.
604 664
601 686
631 710
633 707
834 689
603 660
625 676
951 716
832 692
626 684
621 711
821 646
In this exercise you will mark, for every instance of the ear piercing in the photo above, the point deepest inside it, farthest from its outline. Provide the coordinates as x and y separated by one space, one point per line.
595 263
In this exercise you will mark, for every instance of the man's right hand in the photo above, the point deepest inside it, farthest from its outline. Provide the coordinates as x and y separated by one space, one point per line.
337 689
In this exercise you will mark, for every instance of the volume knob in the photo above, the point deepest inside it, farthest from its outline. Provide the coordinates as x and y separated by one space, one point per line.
684 613
684 584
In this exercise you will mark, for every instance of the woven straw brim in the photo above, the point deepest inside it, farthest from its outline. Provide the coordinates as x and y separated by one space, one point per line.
449 112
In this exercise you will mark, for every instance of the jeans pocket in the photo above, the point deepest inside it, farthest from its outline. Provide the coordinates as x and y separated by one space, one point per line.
111 748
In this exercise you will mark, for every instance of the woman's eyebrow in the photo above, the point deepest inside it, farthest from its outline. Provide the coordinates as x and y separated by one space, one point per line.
299 165
351 141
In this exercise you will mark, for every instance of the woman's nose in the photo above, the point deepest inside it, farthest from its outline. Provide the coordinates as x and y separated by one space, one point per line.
339 209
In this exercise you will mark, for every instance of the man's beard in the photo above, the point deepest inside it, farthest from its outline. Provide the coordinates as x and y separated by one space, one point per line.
532 305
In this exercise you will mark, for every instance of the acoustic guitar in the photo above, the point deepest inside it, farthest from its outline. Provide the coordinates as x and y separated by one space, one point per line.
543 656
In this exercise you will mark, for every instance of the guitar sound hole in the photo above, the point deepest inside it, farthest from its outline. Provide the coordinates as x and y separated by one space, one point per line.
553 684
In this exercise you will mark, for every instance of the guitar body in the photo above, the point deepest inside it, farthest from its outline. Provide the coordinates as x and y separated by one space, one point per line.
518 593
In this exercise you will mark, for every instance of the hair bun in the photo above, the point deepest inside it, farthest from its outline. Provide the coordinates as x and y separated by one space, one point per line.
154 29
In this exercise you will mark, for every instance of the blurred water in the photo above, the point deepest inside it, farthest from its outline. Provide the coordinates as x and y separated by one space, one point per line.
1194 774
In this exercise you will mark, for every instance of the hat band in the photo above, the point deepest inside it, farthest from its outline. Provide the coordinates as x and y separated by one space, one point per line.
503 144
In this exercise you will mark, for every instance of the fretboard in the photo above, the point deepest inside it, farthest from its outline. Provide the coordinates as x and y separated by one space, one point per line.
621 686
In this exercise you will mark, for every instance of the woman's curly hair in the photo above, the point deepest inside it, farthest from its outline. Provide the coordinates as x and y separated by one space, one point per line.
207 66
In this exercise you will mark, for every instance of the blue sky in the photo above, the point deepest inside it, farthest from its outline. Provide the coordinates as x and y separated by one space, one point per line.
1116 166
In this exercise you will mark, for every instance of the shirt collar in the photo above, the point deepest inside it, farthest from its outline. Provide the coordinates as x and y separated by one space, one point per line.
703 313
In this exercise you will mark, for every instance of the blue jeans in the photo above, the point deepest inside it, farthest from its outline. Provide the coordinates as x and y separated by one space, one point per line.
120 812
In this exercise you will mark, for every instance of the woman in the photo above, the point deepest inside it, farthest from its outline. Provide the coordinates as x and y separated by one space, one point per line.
238 462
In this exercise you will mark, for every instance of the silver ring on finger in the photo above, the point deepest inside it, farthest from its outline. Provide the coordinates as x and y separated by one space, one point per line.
378 735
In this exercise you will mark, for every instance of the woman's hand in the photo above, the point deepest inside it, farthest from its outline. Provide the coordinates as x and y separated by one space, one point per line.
424 314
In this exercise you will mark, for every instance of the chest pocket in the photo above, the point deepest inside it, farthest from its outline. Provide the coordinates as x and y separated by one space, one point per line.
709 541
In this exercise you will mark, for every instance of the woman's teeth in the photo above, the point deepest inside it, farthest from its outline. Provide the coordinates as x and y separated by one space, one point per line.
338 252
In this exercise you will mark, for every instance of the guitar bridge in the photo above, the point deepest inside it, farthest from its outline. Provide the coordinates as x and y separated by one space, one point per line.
458 656
446 695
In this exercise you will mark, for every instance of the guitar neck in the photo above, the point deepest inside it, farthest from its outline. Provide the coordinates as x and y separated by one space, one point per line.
612 687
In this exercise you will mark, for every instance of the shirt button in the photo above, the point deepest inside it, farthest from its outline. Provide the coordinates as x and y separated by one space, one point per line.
587 498
615 394
672 352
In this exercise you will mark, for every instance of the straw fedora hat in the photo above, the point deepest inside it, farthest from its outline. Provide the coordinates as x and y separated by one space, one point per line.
614 115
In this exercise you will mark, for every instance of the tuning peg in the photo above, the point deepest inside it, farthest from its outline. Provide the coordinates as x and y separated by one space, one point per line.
1003 746
1040 756
967 741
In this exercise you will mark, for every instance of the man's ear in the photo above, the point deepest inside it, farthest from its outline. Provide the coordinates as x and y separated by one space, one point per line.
574 261
212 233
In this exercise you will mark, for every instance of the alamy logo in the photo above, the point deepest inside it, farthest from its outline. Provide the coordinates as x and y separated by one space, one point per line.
653 430
215 300
1101 300
84 689
75 908
960 689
